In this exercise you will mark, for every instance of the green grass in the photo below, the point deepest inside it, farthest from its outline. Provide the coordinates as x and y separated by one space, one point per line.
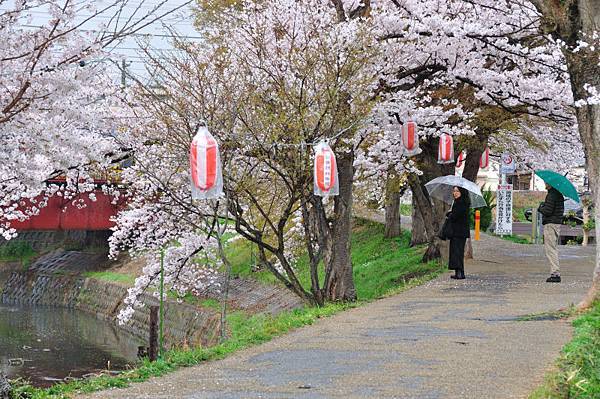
191 299
379 264
406 209
517 239
112 277
577 374
17 251
519 214
381 267
243 257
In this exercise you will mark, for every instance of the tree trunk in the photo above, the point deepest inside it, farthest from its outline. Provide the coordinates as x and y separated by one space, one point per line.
5 388
572 22
430 222
431 214
392 207
588 118
472 162
315 224
586 202
418 233
339 281
584 70
593 293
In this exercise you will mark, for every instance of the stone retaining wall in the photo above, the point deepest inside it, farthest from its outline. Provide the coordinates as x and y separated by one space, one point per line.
6 269
253 297
55 279
183 324
50 281
42 240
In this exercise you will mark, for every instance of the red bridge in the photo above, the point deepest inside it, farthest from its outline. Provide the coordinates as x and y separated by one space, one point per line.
61 214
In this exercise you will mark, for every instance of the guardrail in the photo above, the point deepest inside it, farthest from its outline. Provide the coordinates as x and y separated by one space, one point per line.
523 228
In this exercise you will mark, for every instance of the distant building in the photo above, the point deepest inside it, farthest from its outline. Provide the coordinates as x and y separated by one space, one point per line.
525 179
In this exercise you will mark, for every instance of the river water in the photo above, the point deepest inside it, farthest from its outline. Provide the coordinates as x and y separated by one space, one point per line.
46 344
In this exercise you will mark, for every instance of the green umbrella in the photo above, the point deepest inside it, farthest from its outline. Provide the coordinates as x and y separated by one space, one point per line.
559 182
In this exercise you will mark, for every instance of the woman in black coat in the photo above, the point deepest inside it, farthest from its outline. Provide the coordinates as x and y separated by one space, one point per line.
458 218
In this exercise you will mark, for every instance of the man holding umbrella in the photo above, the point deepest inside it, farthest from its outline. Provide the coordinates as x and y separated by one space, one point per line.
552 210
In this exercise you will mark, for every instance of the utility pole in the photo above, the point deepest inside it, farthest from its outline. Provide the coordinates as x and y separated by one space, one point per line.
123 73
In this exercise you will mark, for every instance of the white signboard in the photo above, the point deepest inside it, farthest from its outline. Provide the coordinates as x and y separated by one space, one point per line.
507 164
504 200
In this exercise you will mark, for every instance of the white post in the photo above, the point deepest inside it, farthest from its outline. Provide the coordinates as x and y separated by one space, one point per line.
503 182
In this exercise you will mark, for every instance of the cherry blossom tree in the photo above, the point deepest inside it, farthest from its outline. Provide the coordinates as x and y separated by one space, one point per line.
288 77
55 97
575 26
482 55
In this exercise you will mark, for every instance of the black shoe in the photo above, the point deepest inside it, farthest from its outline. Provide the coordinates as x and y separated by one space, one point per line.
553 279
459 275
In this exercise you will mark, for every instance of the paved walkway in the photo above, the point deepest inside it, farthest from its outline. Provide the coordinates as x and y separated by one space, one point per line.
445 339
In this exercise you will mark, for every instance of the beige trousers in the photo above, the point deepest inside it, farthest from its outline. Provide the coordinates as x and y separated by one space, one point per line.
551 233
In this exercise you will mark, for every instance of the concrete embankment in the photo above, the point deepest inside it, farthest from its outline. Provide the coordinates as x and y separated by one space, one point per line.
55 280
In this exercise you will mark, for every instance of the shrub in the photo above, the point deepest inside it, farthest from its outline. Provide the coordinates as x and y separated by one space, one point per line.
486 212
16 250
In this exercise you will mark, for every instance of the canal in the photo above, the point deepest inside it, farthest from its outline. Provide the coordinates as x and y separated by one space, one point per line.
46 345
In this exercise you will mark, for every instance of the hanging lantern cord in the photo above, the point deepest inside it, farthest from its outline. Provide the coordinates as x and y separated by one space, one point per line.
201 123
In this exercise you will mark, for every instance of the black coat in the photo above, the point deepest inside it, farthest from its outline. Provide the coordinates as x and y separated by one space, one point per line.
459 219
553 207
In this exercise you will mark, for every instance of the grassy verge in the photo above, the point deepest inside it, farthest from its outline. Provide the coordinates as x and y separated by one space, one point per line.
379 264
577 374
112 277
17 251
381 267
517 239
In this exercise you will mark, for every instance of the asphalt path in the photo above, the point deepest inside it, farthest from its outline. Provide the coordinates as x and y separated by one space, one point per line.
445 339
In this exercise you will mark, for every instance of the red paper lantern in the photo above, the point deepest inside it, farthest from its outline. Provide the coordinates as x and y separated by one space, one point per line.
410 139
484 161
325 173
205 166
461 159
446 149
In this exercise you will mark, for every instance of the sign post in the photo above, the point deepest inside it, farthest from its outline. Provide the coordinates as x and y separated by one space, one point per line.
504 196
507 165
504 199
534 227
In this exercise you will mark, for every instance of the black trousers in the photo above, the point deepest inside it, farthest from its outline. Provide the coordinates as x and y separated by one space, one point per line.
456 260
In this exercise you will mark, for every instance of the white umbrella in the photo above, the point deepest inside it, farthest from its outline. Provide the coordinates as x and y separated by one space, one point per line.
441 188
